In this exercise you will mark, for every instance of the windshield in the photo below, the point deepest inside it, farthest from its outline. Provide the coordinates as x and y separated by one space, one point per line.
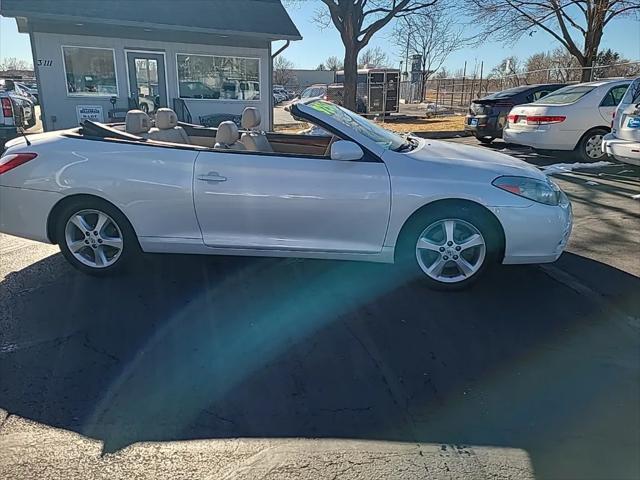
632 95
382 137
570 94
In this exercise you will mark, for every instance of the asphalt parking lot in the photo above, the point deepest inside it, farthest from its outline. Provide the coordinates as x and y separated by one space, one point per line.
211 367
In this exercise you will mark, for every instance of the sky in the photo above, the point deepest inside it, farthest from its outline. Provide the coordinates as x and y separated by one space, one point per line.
621 35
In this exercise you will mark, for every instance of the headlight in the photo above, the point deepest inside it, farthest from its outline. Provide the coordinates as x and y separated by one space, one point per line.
541 191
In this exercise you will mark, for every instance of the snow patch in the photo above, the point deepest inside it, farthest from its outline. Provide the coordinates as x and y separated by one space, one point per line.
568 167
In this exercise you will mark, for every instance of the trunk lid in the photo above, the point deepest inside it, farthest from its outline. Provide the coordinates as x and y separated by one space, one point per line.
485 106
534 117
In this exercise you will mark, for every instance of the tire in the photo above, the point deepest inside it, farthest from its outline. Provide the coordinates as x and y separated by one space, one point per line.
590 144
144 107
471 223
113 248
485 140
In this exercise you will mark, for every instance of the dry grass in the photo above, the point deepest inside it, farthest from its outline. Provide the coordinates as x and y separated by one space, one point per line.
453 123
290 128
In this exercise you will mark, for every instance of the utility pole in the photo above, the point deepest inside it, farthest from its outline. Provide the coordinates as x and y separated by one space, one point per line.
464 76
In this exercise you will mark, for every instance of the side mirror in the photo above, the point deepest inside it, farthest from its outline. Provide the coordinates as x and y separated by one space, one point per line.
346 151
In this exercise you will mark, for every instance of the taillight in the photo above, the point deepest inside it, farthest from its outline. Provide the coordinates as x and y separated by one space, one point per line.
13 160
7 107
512 118
544 119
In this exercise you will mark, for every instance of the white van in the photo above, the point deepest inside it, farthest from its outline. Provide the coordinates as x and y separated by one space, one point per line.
623 143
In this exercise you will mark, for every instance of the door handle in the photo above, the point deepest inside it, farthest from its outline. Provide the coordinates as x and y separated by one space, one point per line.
212 177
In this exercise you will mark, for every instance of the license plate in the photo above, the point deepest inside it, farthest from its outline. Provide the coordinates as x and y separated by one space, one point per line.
634 122
473 122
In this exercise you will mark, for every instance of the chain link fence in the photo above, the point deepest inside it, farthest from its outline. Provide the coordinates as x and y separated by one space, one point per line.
454 94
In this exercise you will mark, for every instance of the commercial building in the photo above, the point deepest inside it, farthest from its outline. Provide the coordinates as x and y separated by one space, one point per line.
95 59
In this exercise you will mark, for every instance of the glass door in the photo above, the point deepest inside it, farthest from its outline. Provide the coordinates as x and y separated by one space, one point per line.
147 82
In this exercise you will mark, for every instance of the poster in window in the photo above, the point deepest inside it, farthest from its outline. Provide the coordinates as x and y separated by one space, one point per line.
90 112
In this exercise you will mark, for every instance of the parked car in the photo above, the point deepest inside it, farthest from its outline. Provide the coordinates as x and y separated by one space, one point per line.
279 96
25 91
23 101
281 92
488 115
335 94
32 88
317 91
195 89
17 111
444 211
623 143
573 118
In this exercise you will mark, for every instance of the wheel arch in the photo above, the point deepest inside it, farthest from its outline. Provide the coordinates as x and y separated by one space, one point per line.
59 206
452 203
597 127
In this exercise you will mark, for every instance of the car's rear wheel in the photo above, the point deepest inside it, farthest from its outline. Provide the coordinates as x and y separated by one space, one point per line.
450 248
95 237
589 147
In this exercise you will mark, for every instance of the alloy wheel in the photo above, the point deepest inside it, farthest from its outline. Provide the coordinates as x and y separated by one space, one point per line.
94 238
450 250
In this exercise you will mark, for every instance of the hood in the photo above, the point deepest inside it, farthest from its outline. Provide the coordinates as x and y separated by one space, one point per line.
479 158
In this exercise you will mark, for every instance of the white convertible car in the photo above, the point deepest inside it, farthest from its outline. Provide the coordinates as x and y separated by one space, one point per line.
106 192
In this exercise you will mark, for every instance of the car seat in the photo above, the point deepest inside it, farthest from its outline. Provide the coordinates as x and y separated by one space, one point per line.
254 140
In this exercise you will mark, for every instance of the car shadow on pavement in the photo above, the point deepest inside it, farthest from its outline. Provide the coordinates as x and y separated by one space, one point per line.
189 347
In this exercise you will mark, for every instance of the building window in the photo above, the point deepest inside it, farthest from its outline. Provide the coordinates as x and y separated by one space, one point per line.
90 71
213 77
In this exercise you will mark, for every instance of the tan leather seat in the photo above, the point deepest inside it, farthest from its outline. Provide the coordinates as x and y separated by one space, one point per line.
255 140
137 123
227 137
167 129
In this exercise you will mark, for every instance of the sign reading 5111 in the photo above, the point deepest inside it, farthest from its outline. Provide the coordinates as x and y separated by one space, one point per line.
44 62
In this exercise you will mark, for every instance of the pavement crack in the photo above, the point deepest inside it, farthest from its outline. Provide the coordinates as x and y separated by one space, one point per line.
220 417
346 409
89 345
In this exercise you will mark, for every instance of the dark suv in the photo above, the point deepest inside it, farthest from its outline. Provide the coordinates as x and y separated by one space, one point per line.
487 116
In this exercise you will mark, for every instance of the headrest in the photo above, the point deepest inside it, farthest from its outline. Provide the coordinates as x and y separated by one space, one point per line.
137 122
166 118
227 133
250 118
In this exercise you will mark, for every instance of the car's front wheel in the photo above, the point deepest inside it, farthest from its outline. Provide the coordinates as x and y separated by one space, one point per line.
450 249
95 237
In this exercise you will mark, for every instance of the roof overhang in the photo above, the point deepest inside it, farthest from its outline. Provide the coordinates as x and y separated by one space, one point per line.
66 24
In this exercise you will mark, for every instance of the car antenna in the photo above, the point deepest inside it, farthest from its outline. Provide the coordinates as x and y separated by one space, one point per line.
26 139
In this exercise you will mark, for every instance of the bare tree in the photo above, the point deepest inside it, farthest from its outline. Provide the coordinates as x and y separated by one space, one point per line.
508 72
538 68
578 25
13 63
373 57
333 63
431 34
358 21
282 70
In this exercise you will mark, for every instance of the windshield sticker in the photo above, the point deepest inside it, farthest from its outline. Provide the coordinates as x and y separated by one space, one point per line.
324 107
